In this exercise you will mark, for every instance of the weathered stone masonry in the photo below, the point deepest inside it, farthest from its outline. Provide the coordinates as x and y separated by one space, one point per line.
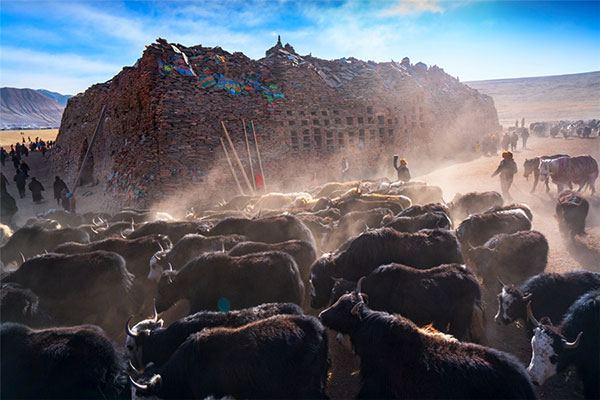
162 126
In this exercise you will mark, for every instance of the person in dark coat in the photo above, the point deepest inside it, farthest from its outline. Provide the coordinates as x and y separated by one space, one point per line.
507 169
524 137
514 141
8 207
3 156
68 201
36 190
3 182
59 185
21 180
402 169
25 168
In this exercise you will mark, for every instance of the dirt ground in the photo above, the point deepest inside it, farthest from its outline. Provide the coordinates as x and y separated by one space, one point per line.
474 175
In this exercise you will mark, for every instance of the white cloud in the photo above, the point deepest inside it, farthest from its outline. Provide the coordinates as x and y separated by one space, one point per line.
415 7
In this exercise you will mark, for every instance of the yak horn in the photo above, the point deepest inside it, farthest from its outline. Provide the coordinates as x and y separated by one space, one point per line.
122 235
137 385
132 227
45 251
527 296
93 230
155 318
128 329
500 282
359 285
23 257
222 247
572 345
94 221
133 369
531 317
170 267
160 245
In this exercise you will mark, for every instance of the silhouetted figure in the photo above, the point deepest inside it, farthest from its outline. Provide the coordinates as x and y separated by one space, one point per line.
58 187
524 137
402 169
507 169
21 180
68 201
3 182
36 190
8 207
3 156
25 168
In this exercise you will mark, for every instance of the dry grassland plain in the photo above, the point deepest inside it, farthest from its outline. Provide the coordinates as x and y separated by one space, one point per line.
13 136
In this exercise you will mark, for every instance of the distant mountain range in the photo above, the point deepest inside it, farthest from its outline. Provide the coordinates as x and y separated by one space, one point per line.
60 98
546 98
28 108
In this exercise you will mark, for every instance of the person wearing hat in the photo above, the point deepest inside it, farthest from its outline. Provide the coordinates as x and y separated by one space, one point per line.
402 169
507 169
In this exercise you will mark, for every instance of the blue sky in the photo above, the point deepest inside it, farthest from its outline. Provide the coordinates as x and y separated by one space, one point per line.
66 46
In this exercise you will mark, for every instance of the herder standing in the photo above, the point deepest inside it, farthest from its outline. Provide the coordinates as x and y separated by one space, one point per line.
507 169
402 169
59 185
36 190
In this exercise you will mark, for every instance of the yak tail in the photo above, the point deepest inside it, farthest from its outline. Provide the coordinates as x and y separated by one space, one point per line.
477 326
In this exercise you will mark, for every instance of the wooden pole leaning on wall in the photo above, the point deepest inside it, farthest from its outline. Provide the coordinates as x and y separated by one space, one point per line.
231 167
262 173
249 156
89 149
237 158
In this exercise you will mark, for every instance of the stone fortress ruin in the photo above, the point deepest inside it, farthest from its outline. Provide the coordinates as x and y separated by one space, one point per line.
162 129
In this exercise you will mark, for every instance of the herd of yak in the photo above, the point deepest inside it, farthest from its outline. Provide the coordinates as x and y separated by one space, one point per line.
249 288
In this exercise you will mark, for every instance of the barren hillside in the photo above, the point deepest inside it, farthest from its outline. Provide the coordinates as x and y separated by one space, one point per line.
546 98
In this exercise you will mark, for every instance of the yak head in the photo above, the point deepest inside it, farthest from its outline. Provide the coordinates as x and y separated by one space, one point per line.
345 314
529 166
341 287
137 336
511 304
549 349
167 292
321 281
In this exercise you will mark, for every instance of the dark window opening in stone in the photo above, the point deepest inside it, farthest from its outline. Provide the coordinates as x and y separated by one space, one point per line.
380 120
349 120
317 131
336 112
87 174
304 122
372 135
306 140
340 135
313 113
391 133
316 122
289 112
329 143
326 122
422 125
381 132
361 120
302 113
389 121
324 113
370 120
405 123
329 135
290 123
369 110
338 121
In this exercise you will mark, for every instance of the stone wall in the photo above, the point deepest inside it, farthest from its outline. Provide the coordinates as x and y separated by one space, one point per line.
162 128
